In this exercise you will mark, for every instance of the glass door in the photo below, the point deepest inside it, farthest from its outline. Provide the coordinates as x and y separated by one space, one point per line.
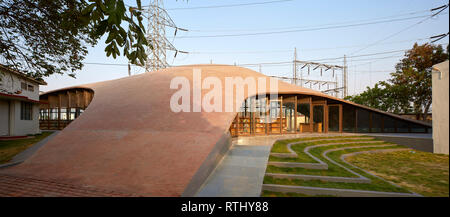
274 122
260 119
318 118
334 118
303 116
288 115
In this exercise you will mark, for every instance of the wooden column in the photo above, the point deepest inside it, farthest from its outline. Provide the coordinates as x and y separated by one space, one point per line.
311 117
281 114
295 115
356 120
340 118
59 111
370 122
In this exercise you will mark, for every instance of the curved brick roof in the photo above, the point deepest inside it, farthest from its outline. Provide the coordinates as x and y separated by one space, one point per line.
128 140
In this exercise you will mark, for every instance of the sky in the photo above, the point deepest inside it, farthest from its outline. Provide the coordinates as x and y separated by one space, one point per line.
319 39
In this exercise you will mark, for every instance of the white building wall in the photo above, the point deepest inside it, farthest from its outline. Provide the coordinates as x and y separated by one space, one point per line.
440 79
10 122
25 127
11 83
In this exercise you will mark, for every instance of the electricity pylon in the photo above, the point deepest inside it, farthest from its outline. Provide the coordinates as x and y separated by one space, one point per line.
158 20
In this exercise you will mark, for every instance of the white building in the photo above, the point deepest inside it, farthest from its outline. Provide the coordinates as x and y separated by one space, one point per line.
440 108
19 103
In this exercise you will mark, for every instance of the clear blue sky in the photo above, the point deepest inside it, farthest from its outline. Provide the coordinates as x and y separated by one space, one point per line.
311 45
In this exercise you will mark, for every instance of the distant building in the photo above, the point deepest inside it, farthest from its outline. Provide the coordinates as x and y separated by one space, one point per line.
413 116
440 107
19 103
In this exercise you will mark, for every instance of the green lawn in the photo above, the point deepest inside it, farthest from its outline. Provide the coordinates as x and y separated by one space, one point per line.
304 158
10 148
280 146
288 194
421 172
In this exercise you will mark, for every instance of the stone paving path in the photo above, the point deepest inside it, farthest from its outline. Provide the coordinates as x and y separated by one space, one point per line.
241 172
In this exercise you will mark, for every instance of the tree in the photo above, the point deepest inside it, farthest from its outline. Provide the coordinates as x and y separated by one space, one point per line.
414 74
409 88
383 96
43 37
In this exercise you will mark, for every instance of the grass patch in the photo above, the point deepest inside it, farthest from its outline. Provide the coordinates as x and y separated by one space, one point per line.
340 185
289 194
421 172
304 158
10 148
334 170
280 146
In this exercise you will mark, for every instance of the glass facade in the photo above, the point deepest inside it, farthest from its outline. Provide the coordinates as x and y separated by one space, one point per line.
333 118
292 114
303 116
288 115
349 118
363 121
318 118
377 123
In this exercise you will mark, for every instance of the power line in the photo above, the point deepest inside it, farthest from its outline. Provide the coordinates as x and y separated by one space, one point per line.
438 37
304 30
230 5
328 24
441 8
290 50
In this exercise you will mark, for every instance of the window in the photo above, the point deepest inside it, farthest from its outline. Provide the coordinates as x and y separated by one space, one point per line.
363 121
23 86
43 114
348 122
333 118
377 122
318 118
389 124
30 88
26 111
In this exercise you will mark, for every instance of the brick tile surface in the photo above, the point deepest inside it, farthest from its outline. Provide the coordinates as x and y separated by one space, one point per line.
15 186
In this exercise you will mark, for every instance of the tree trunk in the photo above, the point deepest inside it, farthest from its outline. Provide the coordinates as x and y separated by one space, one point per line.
427 108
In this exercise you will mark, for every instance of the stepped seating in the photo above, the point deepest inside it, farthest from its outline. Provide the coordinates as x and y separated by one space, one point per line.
317 166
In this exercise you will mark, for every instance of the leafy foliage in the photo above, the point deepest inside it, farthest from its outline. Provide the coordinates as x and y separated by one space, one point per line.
409 88
44 37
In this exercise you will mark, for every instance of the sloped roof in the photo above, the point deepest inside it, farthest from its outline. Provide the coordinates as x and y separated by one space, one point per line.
22 75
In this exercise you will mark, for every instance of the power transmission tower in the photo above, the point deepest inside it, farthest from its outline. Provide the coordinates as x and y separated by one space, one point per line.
158 20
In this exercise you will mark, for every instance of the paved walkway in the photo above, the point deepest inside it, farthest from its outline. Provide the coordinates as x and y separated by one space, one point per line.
408 135
241 172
